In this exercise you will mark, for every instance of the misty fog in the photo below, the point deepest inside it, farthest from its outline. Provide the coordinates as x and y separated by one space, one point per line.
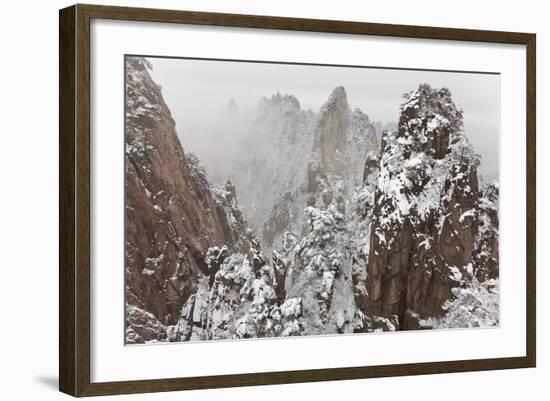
304 224
211 101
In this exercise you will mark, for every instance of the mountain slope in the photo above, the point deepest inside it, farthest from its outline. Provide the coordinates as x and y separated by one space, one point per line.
433 229
271 168
278 170
171 217
353 237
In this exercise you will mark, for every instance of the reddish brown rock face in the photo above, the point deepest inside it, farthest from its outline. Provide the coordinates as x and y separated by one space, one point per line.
329 146
366 241
331 132
171 218
425 235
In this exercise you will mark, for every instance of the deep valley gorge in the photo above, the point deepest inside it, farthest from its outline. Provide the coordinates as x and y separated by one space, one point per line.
321 225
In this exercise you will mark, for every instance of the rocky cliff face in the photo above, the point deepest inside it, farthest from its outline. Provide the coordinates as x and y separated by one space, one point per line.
321 263
432 228
291 156
353 237
344 140
171 216
272 166
242 301
326 165
306 288
330 136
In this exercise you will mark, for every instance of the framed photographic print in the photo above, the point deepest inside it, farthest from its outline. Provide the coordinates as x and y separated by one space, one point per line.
250 200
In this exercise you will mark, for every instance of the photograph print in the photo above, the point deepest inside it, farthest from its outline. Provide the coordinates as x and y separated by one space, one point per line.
268 199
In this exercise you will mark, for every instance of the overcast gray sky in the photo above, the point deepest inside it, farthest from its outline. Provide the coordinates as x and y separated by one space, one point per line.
196 90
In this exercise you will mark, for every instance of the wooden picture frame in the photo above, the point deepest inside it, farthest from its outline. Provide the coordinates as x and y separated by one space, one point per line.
75 207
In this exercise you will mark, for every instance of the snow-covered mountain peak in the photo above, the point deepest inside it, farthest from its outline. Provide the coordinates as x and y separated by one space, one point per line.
232 107
420 156
359 115
345 236
428 117
338 100
430 223
286 103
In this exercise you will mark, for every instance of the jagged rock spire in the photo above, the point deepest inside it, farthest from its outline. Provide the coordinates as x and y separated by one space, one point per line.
424 231
331 131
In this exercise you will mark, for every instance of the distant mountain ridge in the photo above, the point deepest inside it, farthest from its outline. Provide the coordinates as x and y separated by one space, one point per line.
285 147
323 229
